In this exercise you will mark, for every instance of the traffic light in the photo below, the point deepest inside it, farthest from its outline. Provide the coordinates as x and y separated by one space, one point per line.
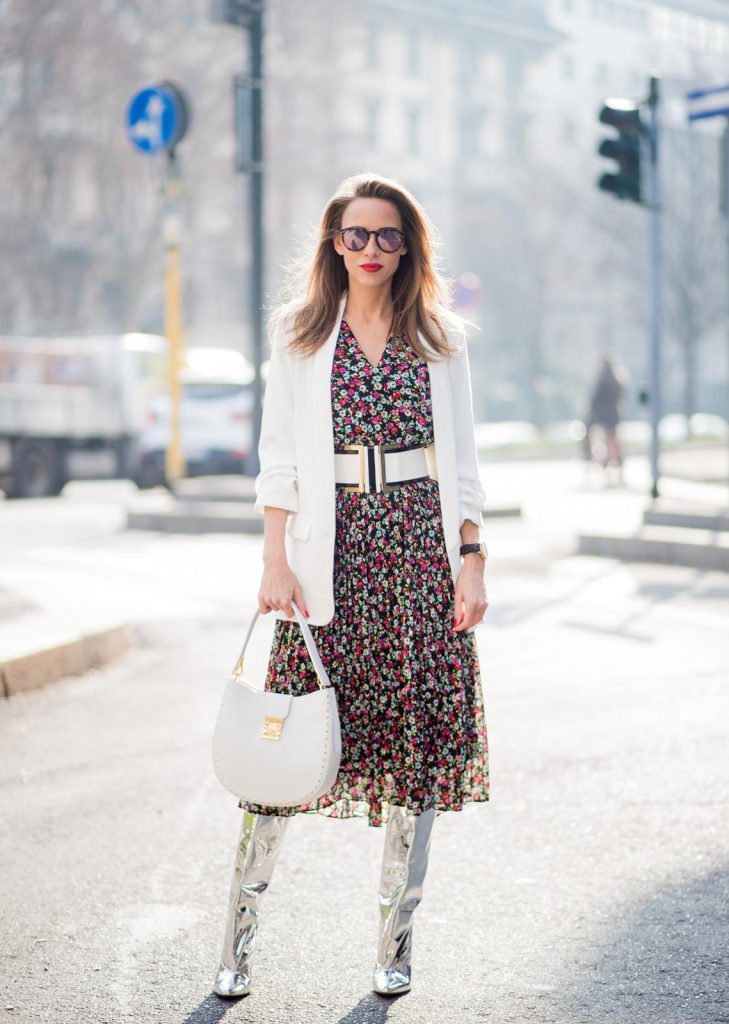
624 182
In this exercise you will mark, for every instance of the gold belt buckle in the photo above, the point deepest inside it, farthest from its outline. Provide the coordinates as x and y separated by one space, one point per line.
272 727
380 450
356 448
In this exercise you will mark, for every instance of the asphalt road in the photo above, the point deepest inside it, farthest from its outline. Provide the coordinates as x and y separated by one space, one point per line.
594 887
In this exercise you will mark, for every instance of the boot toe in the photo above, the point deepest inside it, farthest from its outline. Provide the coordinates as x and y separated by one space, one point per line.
232 984
391 981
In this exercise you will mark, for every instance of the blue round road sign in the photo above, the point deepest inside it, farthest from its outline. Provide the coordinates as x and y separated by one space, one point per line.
156 118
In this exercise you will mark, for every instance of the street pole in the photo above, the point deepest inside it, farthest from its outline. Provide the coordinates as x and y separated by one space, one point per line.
256 218
248 97
655 301
157 118
713 101
724 210
174 458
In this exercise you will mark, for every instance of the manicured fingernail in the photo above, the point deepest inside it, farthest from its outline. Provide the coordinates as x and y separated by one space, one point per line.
307 614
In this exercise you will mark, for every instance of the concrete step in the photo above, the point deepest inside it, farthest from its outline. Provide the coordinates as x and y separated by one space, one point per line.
197 517
670 545
693 517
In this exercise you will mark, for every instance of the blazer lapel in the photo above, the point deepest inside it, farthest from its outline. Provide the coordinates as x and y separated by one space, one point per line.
323 425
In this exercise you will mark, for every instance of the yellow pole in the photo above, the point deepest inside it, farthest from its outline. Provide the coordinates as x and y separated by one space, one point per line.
174 458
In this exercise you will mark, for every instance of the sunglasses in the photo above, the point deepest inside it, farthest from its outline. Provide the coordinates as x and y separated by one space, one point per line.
388 239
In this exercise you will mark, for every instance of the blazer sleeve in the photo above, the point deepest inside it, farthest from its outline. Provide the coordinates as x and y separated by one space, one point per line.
471 494
277 481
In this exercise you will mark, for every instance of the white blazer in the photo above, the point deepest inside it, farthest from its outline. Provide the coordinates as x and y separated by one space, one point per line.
296 453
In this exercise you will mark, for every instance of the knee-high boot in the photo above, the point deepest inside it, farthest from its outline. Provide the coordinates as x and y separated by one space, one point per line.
258 848
404 865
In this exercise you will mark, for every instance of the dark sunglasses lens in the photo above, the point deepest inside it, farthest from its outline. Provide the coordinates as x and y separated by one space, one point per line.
354 238
389 240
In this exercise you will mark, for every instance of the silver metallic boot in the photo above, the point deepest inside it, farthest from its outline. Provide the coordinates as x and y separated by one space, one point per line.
258 848
404 864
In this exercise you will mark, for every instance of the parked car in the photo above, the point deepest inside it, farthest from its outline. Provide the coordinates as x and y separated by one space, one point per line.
216 417
72 407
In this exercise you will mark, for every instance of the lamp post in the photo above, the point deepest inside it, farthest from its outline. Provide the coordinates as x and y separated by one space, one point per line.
248 105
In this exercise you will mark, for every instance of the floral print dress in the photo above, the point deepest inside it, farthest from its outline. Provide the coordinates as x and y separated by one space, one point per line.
408 686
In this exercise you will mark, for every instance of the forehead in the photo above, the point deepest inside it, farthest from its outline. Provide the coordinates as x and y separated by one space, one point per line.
371 213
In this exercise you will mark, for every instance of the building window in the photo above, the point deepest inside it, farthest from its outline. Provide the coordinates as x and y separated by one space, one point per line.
413 127
472 131
412 59
372 112
601 73
371 46
620 13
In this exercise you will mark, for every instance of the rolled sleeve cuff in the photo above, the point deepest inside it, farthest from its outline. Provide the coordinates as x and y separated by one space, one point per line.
472 512
278 492
471 504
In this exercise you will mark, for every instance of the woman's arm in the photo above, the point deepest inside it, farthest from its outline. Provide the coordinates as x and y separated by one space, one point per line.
471 495
276 484
471 600
277 493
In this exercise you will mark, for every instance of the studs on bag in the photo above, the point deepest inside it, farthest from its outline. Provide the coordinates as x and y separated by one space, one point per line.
272 727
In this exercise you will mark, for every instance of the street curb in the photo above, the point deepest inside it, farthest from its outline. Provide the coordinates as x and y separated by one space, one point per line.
689 520
74 658
693 555
225 516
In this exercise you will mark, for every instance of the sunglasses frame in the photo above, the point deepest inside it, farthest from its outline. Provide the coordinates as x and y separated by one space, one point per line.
358 227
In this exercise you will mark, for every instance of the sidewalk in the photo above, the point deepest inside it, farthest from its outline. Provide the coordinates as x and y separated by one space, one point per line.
74 603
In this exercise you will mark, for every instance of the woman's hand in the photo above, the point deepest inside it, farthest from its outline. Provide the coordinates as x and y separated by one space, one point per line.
471 601
278 587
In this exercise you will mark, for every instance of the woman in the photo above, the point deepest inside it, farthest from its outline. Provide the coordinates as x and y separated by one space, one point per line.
372 509
605 411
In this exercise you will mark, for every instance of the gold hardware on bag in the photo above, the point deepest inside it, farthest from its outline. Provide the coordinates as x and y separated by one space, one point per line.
272 727
238 669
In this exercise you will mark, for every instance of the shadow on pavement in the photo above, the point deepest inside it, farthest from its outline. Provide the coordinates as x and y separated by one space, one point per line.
371 1009
668 962
213 1009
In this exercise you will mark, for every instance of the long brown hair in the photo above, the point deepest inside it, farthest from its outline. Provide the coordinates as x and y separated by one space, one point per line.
420 293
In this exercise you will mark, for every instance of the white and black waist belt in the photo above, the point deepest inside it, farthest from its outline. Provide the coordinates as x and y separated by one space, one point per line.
379 467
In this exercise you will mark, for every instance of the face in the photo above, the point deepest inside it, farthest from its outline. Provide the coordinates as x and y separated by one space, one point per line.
370 265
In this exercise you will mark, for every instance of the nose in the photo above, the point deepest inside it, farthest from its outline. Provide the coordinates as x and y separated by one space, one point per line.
372 249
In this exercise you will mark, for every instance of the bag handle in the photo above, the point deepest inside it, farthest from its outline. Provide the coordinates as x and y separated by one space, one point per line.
321 672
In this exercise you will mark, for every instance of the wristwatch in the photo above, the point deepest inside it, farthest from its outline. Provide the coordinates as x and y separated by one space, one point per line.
479 549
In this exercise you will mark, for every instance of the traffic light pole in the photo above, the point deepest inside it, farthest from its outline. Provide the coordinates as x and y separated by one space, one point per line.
655 300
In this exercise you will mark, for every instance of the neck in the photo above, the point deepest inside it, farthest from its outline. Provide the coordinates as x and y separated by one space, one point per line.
369 305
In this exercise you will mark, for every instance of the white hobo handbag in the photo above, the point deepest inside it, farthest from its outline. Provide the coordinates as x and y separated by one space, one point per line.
277 749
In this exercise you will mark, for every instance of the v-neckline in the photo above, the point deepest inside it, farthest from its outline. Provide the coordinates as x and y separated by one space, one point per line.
373 366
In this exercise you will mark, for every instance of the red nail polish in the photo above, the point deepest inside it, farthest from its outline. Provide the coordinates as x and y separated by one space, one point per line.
307 614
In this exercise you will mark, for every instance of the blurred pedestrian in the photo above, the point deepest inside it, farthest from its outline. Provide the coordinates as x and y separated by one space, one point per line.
372 502
605 412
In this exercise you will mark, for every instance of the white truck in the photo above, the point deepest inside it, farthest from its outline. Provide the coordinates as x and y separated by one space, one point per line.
74 407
